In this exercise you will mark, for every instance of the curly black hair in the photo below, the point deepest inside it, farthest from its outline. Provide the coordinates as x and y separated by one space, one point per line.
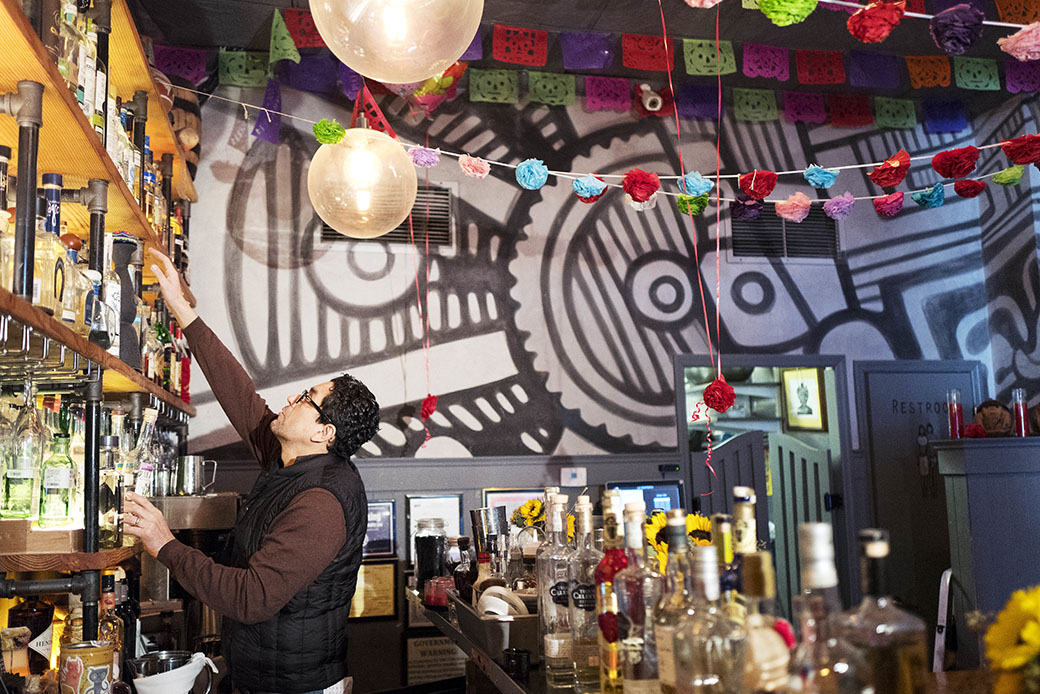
353 410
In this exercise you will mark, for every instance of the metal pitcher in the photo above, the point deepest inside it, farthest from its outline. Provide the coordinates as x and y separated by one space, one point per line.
189 475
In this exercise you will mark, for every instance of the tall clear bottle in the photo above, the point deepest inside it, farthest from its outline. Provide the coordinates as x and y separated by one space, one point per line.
638 588
112 294
110 625
614 560
584 624
709 645
729 578
768 657
824 662
43 253
56 491
144 453
893 641
676 601
22 477
110 498
553 599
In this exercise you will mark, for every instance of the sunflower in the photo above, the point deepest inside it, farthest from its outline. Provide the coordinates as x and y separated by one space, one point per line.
657 536
1014 639
698 528
531 512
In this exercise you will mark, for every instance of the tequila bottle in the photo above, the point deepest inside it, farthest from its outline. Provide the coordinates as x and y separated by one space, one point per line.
22 476
553 599
110 625
614 560
112 295
57 485
638 588
892 640
110 498
676 601
709 645
143 455
729 580
765 668
584 624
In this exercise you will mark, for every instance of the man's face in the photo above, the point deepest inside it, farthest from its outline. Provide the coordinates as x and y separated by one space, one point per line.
299 421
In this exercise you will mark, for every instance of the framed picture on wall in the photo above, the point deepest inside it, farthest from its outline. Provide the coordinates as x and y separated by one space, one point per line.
512 499
447 507
381 536
805 406
376 594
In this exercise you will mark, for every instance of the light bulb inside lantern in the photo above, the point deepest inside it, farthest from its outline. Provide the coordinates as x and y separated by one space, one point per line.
362 167
394 23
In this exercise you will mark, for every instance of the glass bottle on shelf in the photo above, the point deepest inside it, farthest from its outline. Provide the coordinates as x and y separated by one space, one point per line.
893 641
765 667
553 599
824 661
68 45
37 615
96 312
56 491
86 83
73 630
430 549
110 626
676 601
110 499
99 117
465 573
127 609
76 286
614 560
22 478
487 571
582 583
638 588
143 454
722 541
6 226
43 258
112 294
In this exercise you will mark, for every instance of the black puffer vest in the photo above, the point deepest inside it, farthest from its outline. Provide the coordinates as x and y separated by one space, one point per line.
304 647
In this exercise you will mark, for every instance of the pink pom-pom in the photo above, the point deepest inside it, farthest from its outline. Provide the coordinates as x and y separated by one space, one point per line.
703 4
839 207
795 208
889 205
474 166
1023 44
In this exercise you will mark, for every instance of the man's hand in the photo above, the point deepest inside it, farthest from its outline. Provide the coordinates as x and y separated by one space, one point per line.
170 285
143 520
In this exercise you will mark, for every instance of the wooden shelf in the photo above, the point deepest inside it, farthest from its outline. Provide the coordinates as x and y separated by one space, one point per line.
24 548
119 377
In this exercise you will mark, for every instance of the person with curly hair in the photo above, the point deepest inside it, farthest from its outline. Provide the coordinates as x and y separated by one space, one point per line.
290 576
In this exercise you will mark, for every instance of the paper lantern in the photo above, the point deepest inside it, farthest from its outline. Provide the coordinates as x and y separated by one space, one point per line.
397 41
364 186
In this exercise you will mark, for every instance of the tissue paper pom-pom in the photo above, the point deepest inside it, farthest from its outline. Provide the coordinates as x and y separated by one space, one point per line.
719 395
692 205
786 12
694 184
1009 176
757 184
974 431
956 163
424 157
745 208
875 22
589 188
475 167
532 174
933 197
839 207
969 188
819 177
892 171
641 205
795 208
703 4
1022 150
328 132
1023 44
640 185
429 406
889 205
954 30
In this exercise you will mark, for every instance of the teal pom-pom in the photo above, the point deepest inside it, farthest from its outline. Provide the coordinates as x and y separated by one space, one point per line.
532 174
588 186
692 204
819 177
933 197
695 184
328 132
786 12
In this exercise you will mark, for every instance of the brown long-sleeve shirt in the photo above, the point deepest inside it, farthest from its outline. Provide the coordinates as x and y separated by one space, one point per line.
302 540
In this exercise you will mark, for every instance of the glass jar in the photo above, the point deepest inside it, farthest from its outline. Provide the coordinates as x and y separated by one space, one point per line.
431 544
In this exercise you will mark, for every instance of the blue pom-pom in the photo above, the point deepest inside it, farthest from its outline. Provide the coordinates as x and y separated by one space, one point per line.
532 174
587 186
933 197
695 184
819 177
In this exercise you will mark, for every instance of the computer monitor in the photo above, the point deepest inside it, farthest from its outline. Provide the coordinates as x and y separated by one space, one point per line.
659 495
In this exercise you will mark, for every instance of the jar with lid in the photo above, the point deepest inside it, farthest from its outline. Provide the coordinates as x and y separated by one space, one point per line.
431 543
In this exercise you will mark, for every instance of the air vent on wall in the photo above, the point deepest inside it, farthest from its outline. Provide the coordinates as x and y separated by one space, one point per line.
772 236
433 210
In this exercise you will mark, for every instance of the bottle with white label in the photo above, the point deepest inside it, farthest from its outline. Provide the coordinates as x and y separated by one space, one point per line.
584 559
56 488
676 602
37 615
21 497
553 599
112 295
638 589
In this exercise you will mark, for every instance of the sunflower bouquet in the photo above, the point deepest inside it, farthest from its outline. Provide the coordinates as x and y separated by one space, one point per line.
698 529
529 514
1013 643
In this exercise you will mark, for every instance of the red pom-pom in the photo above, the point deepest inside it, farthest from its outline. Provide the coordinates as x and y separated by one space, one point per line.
1023 150
974 431
757 184
786 631
719 395
889 205
875 22
892 171
429 406
969 187
640 185
956 163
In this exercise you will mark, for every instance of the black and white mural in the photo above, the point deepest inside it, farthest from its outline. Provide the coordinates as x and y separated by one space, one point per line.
553 323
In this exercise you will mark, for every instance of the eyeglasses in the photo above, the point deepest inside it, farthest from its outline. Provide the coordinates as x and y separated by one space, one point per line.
306 396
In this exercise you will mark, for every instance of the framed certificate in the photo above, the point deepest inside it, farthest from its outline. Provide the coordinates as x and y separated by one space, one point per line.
381 536
447 507
512 499
376 594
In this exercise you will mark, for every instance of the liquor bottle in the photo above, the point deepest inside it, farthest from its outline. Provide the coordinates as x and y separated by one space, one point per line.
582 580
824 661
554 598
128 609
110 626
22 476
745 532
709 645
73 630
638 588
185 369
676 601
57 485
78 453
765 667
75 285
487 573
893 641
44 261
85 91
465 574
148 204
95 312
6 227
68 45
110 499
722 541
143 455
614 560
99 118
37 615
112 294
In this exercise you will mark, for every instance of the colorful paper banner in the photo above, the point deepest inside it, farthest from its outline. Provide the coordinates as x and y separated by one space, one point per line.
519 46
979 74
550 88
268 125
316 72
820 67
607 93
928 71
282 45
851 110
301 27
651 53
702 60
242 68
476 47
697 102
766 61
805 107
586 51
1022 77
944 116
874 70
493 86
189 63
894 113
754 105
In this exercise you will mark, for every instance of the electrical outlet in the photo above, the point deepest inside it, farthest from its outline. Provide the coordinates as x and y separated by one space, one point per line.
573 477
